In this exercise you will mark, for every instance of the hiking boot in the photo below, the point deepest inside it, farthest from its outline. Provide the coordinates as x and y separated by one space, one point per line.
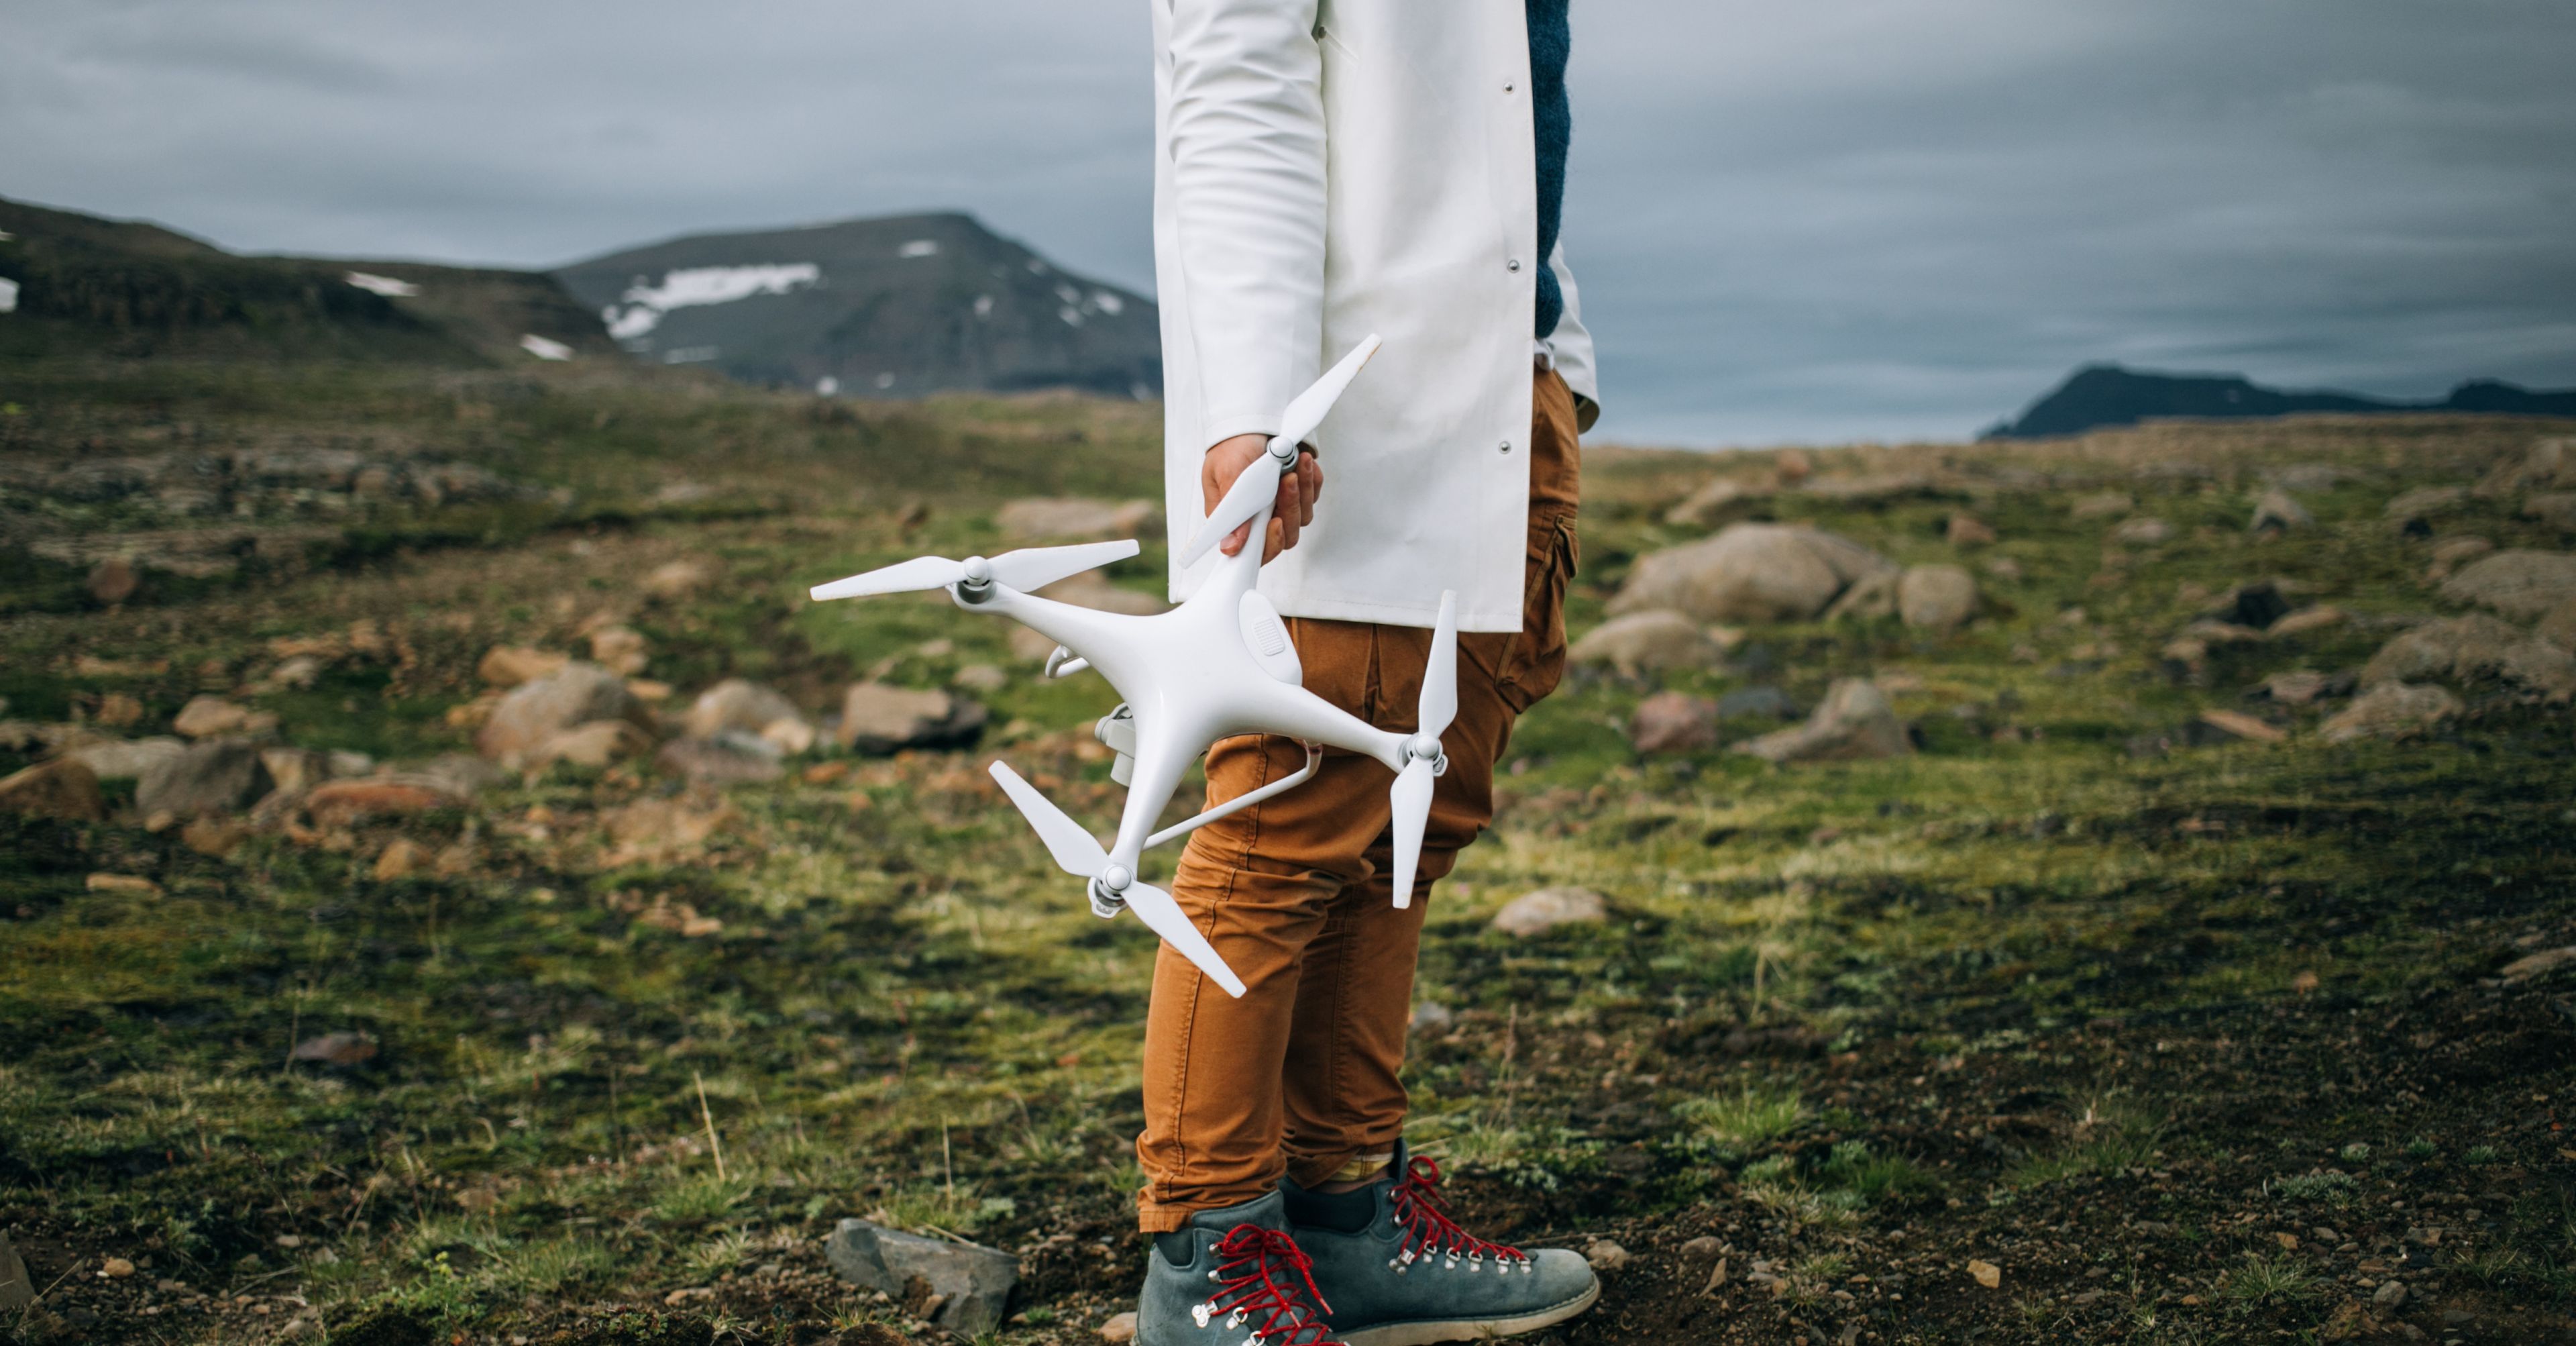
1244 1283
1396 1270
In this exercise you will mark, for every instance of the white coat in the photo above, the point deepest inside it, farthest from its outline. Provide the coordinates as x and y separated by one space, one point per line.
1328 169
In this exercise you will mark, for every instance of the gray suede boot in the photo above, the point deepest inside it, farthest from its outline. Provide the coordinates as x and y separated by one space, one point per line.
1396 1270
1245 1283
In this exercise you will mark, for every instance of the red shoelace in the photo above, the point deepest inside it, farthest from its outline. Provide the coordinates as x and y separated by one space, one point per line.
1429 1229
1258 1290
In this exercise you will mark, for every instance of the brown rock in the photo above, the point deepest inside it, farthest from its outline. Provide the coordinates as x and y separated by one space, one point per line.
211 716
878 718
1792 466
1749 572
1869 598
512 665
532 713
2472 647
2318 617
348 803
2277 511
215 776
1673 722
1967 530
117 710
296 769
2391 710
619 649
1072 519
1854 721
216 837
62 788
1936 597
655 830
2538 964
400 857
1646 642
1120 1327
113 580
1536 913
122 883
2298 688
2554 508
2520 584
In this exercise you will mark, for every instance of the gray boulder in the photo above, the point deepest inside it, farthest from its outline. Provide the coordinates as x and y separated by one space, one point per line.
729 757
17 1289
2520 584
2278 511
1854 722
968 1286
2472 647
1768 703
1936 597
1750 572
217 775
2415 507
737 704
1646 642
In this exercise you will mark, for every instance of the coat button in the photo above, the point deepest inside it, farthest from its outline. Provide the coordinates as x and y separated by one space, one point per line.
1512 265
1504 447
1508 87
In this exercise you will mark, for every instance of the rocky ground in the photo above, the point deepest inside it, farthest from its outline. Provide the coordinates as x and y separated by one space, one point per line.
2105 890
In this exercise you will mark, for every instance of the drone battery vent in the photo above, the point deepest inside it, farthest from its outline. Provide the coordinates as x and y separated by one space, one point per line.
1267 638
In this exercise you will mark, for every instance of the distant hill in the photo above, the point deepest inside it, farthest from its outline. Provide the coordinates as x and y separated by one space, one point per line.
2103 395
78 284
884 307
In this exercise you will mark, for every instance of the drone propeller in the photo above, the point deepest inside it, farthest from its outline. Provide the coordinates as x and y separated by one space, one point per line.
1255 488
1411 795
1026 569
1078 854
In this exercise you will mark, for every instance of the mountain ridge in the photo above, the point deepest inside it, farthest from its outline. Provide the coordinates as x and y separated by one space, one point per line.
2097 396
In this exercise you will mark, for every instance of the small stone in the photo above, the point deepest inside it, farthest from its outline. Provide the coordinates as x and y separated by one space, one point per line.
1855 721
116 710
728 758
1673 722
1431 1018
1986 1274
984 678
1967 530
62 788
341 1050
1645 642
534 712
213 837
1119 1327
969 1282
17 1288
125 759
399 859
123 883
1706 1245
1605 1255
677 579
619 649
1936 597
2144 531
214 776
2391 710
2389 1295
738 704
113 581
2317 617
1545 909
348 803
116 1268
2238 725
2297 688
2289 1242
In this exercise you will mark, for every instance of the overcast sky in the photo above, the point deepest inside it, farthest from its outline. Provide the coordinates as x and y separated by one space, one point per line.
1864 219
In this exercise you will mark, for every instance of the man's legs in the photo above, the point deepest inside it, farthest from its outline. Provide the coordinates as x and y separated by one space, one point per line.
1292 893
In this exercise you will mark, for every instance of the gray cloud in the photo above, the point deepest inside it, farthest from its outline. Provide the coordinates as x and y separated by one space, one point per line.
1881 218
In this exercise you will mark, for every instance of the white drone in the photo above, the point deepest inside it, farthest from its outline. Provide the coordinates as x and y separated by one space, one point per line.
1218 665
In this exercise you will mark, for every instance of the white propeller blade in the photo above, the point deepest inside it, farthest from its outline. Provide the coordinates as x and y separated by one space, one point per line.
1410 797
1026 569
1033 568
1079 854
1157 910
1307 410
1259 483
1074 849
928 572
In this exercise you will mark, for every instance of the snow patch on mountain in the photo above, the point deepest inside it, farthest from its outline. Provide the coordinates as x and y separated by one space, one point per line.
8 295
387 286
695 286
919 247
543 349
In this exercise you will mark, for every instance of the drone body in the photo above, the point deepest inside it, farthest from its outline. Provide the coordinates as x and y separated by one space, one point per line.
1219 665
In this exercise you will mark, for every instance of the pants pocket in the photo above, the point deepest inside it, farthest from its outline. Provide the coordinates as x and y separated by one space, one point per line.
1536 661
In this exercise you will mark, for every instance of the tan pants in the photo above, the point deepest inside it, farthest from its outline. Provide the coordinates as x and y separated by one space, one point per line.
1299 1075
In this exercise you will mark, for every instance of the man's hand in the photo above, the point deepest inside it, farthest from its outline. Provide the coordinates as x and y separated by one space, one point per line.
1294 509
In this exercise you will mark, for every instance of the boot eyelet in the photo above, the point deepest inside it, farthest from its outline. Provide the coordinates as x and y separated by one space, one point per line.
1200 1313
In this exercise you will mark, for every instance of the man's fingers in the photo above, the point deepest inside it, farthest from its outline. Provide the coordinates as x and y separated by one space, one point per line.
1234 541
1310 484
1289 509
1273 542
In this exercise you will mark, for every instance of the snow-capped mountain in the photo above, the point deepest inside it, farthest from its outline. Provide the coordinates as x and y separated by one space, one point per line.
892 307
